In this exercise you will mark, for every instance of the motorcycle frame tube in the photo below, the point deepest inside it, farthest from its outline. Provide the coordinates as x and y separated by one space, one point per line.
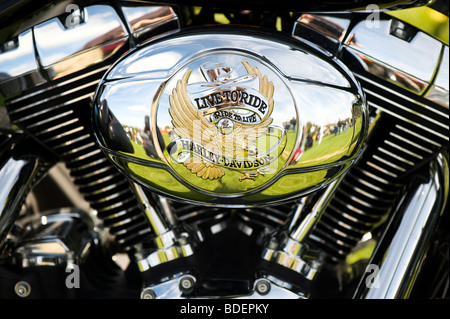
394 270
17 176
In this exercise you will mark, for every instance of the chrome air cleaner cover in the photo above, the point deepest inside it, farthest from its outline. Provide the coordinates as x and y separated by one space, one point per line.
226 117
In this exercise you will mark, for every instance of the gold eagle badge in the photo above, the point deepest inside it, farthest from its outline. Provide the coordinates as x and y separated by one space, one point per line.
222 129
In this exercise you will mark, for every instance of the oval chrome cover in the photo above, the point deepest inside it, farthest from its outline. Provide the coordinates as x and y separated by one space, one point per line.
230 117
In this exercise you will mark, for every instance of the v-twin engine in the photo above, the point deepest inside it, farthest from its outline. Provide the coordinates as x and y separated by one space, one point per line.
162 151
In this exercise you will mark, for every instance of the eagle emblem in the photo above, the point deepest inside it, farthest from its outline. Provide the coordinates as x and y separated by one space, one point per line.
217 126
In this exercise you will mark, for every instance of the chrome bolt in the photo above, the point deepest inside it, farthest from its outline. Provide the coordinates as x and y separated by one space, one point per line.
187 283
262 287
22 289
273 244
148 293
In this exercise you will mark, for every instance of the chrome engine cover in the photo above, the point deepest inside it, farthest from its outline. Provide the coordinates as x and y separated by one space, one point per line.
230 117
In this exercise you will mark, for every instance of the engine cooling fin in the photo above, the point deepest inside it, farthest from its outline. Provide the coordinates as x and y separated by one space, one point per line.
370 190
56 115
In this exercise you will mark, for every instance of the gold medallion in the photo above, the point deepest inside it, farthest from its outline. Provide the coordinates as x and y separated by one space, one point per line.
220 128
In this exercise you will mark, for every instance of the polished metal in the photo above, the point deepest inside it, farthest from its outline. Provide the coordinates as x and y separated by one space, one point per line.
170 244
403 247
324 31
262 286
290 250
72 58
148 293
157 84
265 287
383 58
56 239
63 50
22 289
19 69
384 47
439 90
226 118
382 53
147 21
187 283
16 176
59 47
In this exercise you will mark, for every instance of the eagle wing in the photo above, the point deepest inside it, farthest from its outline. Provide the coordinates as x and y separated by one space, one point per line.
248 133
189 123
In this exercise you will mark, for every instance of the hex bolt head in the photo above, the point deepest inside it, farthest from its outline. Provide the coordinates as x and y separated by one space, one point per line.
262 287
148 293
187 283
22 289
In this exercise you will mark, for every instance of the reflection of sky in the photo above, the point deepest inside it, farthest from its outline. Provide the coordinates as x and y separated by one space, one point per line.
130 102
283 103
160 61
54 42
19 60
322 105
133 98
302 65
403 55
132 13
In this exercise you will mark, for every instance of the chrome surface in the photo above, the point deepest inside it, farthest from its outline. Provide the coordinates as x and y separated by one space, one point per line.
19 69
221 80
54 113
440 89
22 289
171 289
323 31
16 176
399 264
56 48
226 118
19 58
55 239
384 54
147 21
290 250
386 48
411 128
63 50
169 244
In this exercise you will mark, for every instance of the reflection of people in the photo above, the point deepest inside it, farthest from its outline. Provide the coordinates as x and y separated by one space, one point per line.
147 140
309 141
293 122
147 124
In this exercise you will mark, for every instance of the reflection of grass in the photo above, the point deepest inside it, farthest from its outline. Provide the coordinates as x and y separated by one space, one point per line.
331 149
292 183
229 183
139 151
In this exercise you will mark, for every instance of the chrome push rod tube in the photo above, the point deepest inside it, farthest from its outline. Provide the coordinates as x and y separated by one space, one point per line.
291 250
395 268
169 243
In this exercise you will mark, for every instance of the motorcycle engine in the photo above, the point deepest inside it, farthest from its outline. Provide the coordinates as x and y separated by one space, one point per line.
158 151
